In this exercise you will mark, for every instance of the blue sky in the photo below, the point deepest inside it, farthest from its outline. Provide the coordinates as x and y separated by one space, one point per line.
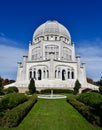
19 19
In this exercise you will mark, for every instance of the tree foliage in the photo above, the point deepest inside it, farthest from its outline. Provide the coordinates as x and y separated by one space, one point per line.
1 85
99 83
89 80
77 87
31 87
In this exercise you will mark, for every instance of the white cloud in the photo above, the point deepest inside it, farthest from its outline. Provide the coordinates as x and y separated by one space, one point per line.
2 34
9 56
6 41
91 54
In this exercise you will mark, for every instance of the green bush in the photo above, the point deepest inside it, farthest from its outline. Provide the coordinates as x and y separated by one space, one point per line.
56 91
100 89
31 87
92 99
11 90
86 111
77 87
1 91
13 117
12 100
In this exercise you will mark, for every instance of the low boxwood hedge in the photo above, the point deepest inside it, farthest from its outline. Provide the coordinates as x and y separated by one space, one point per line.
12 89
92 99
56 91
13 117
12 100
86 111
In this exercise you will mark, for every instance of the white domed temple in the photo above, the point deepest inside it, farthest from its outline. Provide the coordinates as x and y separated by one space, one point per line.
51 60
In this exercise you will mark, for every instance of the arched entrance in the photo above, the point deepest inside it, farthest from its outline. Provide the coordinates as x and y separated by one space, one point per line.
34 75
63 74
39 74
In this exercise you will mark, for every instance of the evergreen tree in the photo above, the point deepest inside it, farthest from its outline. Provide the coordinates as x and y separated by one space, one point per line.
32 88
77 87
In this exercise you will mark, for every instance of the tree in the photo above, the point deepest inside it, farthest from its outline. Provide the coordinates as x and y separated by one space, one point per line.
99 83
32 88
77 87
89 80
1 85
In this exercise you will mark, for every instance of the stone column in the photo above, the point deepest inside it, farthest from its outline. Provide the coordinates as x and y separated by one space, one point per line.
52 75
45 74
32 73
61 74
18 72
57 74
66 74
70 74
78 67
42 74
84 71
36 74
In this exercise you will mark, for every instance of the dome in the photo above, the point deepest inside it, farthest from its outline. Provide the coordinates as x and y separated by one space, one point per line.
51 27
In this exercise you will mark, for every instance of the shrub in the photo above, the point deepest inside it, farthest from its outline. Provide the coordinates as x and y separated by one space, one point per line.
11 100
13 117
32 88
77 87
100 89
86 111
11 90
56 91
1 85
1 91
92 99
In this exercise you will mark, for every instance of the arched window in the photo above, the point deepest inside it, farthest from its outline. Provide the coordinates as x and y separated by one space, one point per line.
47 38
34 75
30 74
47 74
72 75
68 74
39 74
55 38
63 74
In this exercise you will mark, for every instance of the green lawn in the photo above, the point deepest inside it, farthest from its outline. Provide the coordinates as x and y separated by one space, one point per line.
54 114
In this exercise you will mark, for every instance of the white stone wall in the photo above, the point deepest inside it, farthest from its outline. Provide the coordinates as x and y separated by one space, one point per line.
51 64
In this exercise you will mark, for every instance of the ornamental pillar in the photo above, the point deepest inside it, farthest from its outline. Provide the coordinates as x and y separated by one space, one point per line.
66 77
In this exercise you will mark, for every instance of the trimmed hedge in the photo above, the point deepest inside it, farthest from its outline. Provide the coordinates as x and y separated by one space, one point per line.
56 91
86 111
12 89
92 99
13 117
12 100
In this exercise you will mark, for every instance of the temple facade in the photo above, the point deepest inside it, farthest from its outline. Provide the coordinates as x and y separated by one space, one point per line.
51 60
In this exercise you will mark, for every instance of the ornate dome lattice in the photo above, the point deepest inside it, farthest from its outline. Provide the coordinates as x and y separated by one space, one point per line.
51 28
